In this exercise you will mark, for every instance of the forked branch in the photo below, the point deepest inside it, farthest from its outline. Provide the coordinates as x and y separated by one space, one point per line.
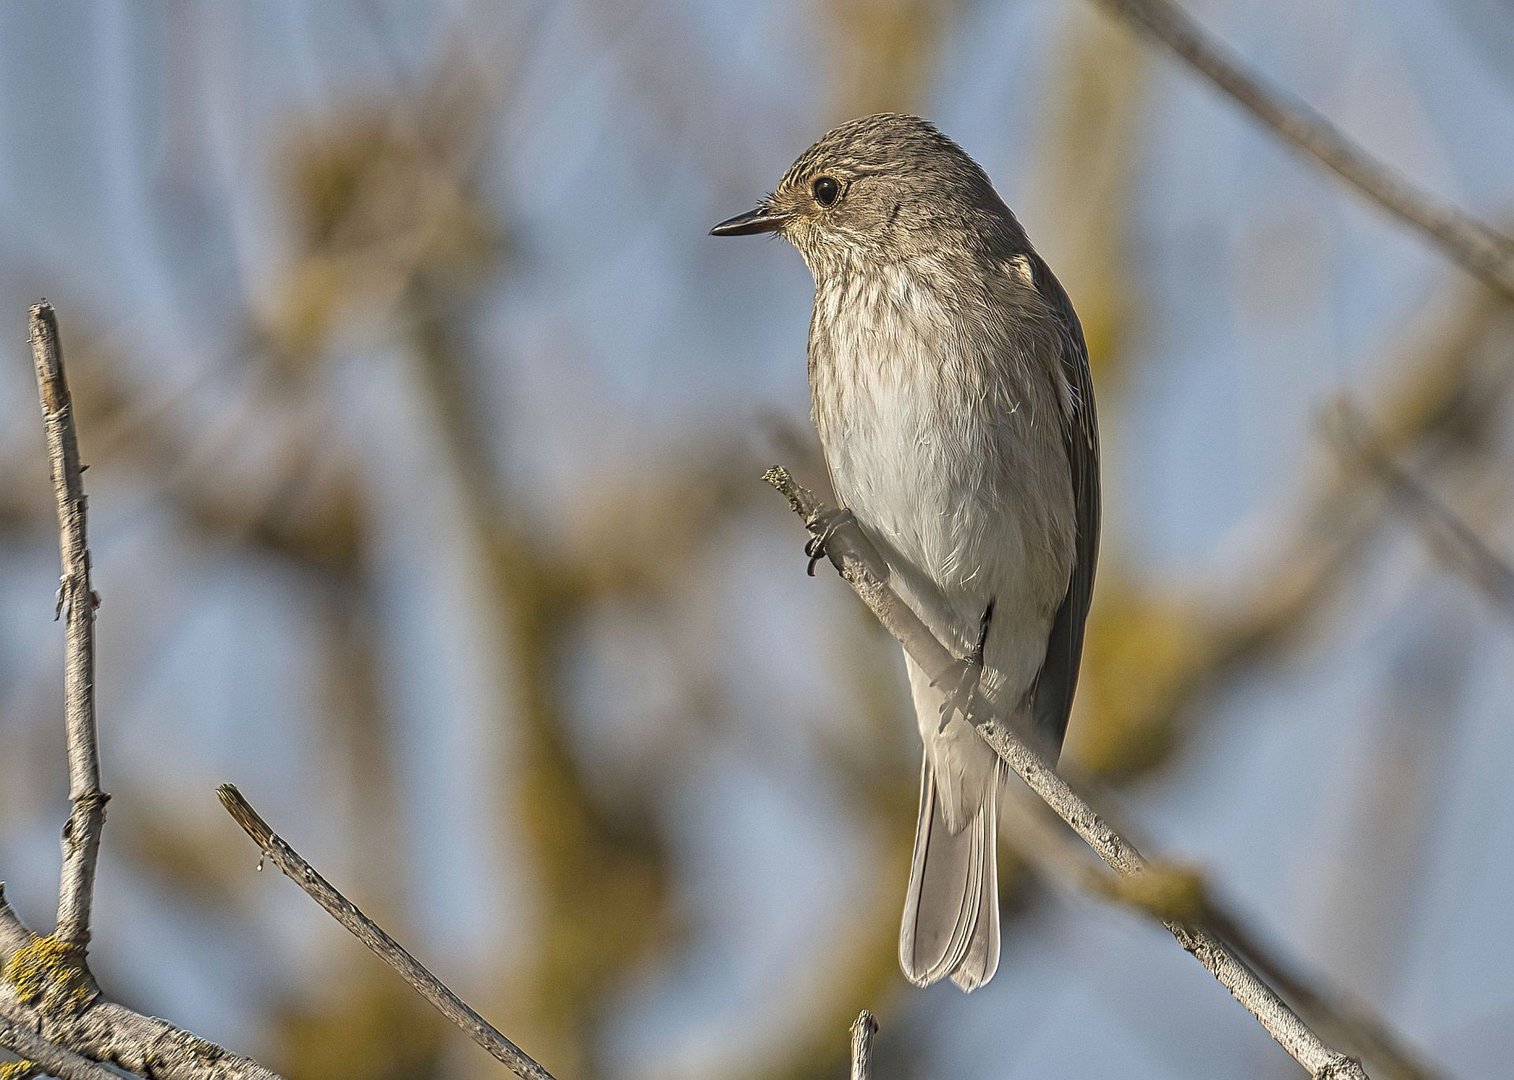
51 1011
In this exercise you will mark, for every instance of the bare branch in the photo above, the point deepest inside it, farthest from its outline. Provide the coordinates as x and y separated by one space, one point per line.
1351 1021
1171 891
46 989
1281 1022
47 994
344 911
86 819
1475 245
58 1062
863 1030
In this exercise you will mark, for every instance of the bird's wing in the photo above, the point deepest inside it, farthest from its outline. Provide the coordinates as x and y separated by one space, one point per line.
1051 697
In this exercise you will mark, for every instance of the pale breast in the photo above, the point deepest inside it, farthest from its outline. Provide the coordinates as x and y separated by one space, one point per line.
938 414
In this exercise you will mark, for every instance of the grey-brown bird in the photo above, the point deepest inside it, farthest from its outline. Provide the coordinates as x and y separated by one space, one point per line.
949 383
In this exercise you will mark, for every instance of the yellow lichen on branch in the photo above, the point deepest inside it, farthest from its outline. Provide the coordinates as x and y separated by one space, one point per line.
51 972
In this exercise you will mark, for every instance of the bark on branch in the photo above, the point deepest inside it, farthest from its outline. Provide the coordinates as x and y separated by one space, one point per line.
39 1055
1476 246
51 1010
76 599
863 1030
1259 999
45 989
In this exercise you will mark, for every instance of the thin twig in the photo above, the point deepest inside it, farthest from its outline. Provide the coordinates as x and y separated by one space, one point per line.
863 1030
344 911
1444 532
86 819
1281 1022
1475 245
54 1060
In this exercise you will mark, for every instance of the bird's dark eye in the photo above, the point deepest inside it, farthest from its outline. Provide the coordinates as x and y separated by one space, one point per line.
826 190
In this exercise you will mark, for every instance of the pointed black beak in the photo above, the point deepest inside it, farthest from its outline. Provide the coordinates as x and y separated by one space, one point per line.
760 220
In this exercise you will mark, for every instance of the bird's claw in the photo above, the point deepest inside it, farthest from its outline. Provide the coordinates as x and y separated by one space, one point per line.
964 696
962 693
822 528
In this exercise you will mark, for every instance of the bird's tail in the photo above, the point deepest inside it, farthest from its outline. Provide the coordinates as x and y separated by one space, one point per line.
951 912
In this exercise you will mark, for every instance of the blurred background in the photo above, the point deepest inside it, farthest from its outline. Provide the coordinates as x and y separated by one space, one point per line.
425 426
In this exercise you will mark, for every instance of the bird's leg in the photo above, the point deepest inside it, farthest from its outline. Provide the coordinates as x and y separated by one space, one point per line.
822 527
968 675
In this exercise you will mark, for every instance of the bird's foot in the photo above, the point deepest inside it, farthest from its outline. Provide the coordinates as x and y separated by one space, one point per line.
822 527
962 693
966 679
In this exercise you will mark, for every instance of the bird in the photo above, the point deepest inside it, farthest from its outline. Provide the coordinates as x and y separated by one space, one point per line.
951 391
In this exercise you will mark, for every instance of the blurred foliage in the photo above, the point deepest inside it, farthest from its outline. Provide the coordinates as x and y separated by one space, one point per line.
883 52
389 217
381 198
1153 651
365 1024
1084 182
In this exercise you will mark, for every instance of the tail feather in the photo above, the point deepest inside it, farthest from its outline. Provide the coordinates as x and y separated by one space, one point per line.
951 911
982 958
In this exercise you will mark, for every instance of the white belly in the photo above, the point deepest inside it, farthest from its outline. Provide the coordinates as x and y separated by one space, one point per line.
947 447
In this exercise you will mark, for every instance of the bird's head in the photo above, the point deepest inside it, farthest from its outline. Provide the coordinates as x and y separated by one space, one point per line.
878 189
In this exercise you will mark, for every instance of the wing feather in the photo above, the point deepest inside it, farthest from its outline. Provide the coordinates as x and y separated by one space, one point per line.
1051 697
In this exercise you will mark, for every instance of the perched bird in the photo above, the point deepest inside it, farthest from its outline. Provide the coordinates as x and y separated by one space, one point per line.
949 383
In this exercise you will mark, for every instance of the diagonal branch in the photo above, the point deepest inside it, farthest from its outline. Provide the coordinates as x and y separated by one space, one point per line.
1443 531
1339 1014
1169 891
1476 246
86 819
344 911
1259 999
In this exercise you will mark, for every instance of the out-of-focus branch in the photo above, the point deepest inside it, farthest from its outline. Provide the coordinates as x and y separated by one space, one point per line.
1172 891
863 1030
1444 532
848 549
344 911
39 1055
1152 652
86 819
1476 246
